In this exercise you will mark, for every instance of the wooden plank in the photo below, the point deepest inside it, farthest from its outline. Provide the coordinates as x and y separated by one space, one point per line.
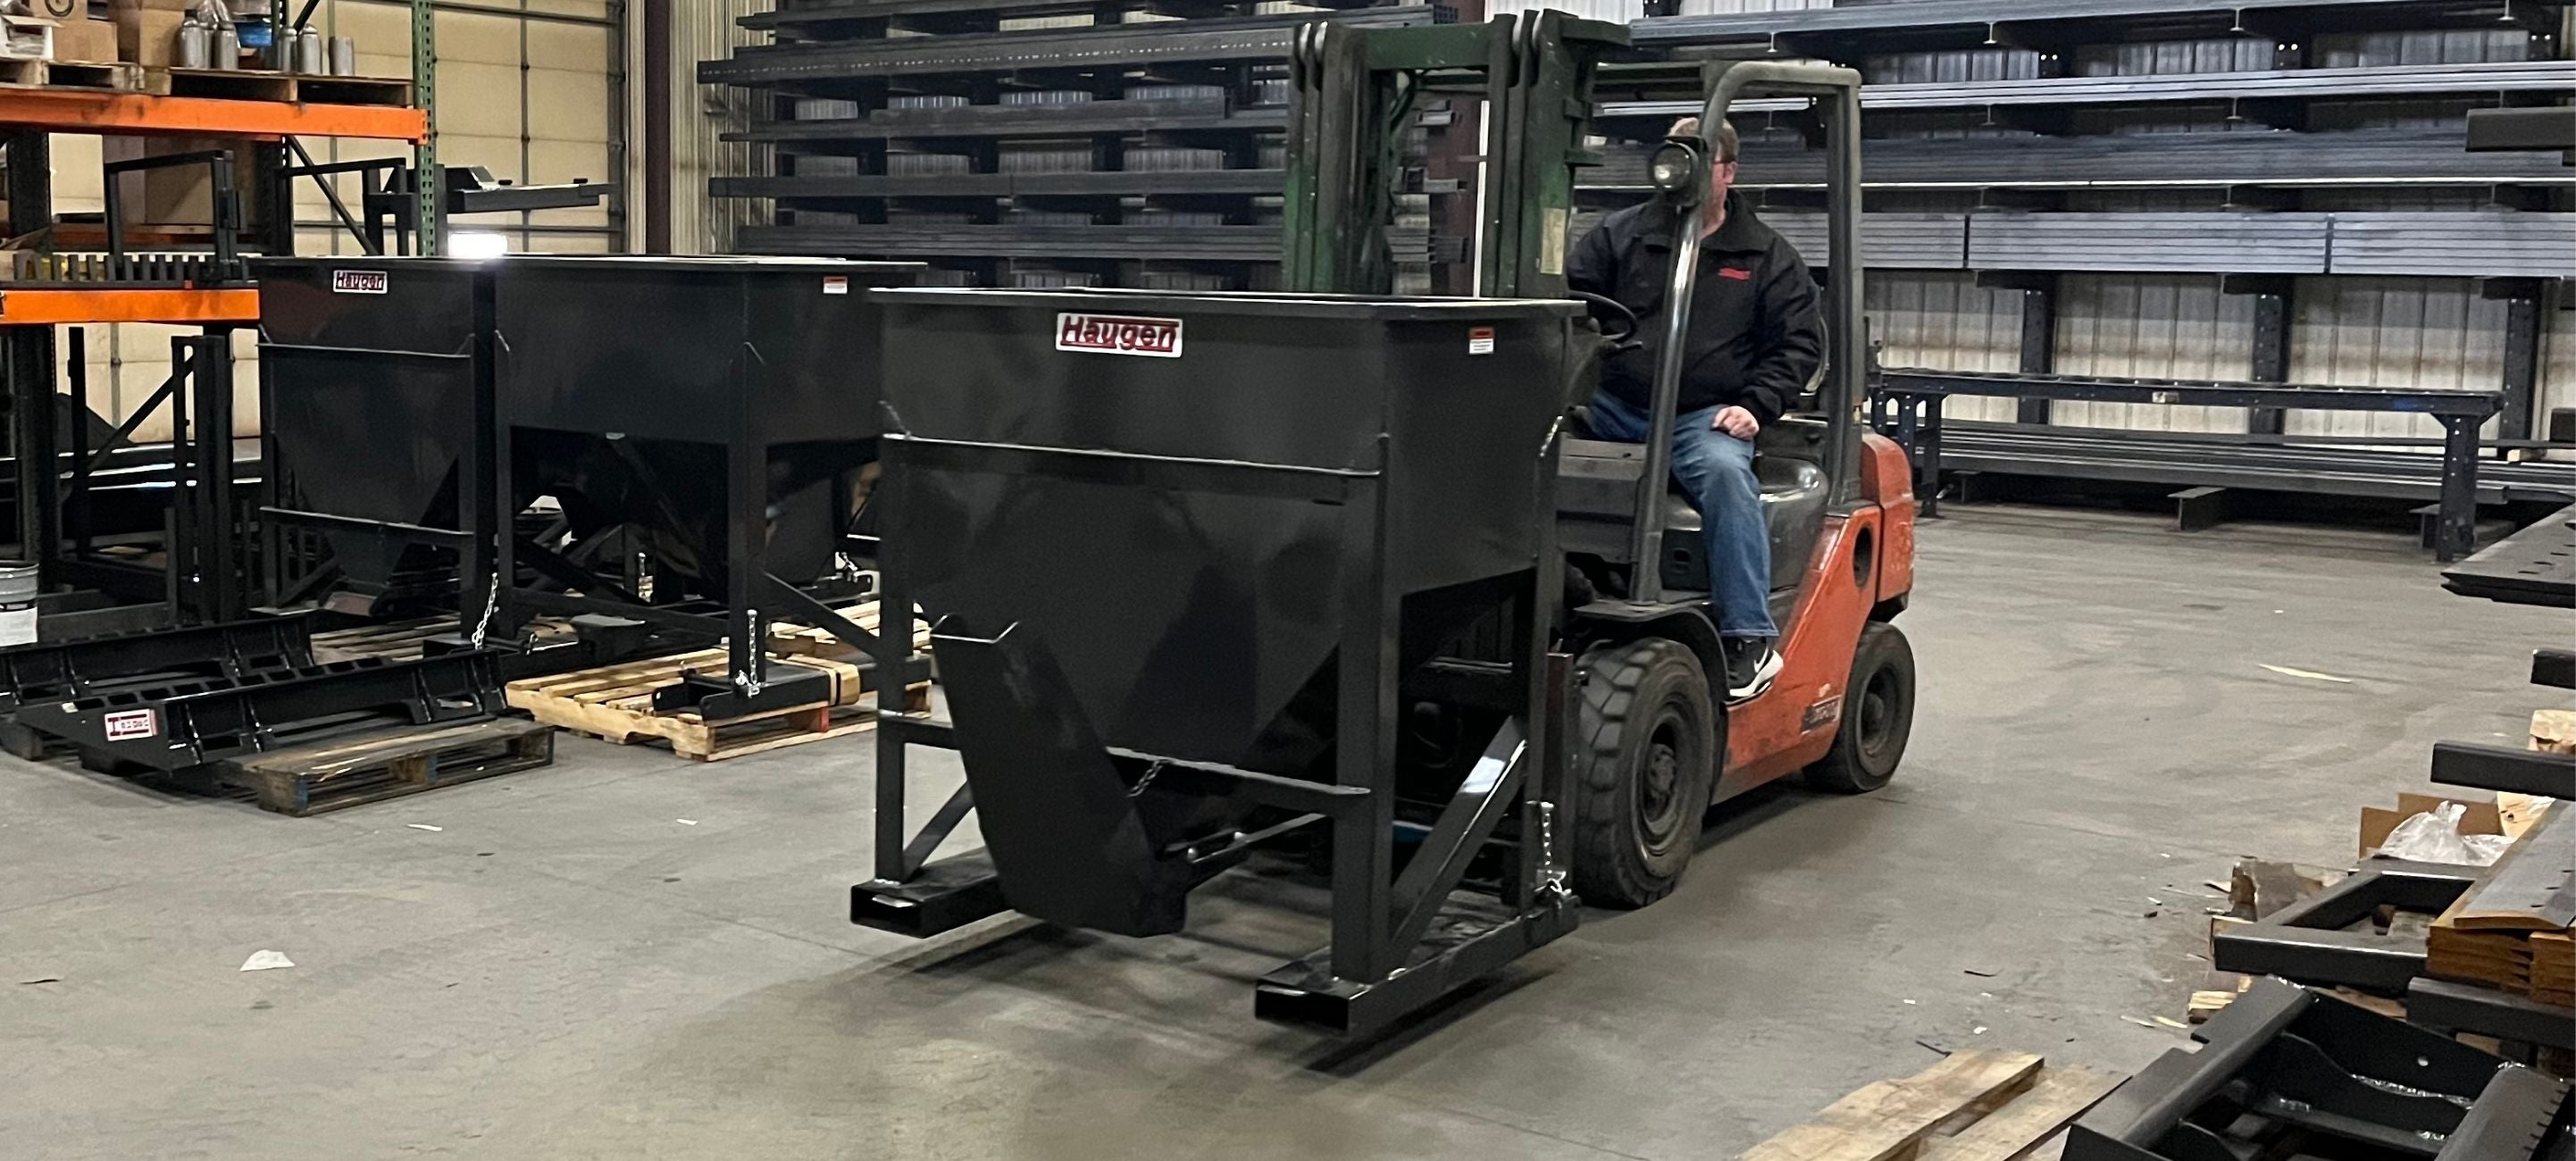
735 739
1884 1120
375 765
2013 1131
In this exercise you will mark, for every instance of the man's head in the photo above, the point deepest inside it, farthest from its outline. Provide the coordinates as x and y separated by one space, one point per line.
1721 168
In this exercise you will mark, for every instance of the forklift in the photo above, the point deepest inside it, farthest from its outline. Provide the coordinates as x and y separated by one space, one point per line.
1330 578
1655 745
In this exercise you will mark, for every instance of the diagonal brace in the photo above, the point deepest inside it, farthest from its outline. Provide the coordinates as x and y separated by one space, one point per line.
1470 818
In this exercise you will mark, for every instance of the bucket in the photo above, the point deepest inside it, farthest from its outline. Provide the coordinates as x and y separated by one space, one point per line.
17 603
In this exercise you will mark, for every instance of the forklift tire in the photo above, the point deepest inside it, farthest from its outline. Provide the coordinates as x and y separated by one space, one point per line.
1645 759
1878 715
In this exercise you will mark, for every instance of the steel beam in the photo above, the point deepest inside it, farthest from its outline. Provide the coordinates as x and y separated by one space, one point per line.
1116 47
2291 86
1846 31
2506 768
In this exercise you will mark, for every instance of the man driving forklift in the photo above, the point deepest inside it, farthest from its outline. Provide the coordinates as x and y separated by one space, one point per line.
1755 341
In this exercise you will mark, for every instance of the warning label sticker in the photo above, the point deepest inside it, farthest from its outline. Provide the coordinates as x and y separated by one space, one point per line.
128 725
836 284
1480 340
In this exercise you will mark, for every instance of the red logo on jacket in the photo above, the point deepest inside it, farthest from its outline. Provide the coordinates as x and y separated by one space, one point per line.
1738 273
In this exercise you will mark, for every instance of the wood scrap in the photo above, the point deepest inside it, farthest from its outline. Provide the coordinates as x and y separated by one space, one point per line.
2058 1097
2510 931
2258 887
2520 812
2553 731
1977 1105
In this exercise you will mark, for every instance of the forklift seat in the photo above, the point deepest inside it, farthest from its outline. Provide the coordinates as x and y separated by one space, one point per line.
1597 478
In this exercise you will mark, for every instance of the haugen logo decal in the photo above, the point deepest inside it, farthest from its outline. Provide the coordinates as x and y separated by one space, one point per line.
1118 334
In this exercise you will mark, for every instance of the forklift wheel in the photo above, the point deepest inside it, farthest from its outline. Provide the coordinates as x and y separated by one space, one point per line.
1878 715
1644 755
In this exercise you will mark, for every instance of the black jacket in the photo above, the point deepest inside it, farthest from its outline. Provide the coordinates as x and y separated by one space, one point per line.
1755 338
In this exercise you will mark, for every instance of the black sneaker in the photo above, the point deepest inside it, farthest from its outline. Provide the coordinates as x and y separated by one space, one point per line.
1751 666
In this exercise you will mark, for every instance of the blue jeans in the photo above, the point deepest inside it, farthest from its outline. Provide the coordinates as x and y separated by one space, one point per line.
1716 471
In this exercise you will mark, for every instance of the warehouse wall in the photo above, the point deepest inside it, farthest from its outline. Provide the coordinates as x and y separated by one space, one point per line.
528 89
705 30
2345 330
2393 331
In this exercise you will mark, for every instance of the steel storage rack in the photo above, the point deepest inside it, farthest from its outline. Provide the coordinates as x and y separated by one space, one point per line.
78 486
1018 144
2279 151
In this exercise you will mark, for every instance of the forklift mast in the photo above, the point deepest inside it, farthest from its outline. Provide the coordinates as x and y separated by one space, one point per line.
1679 172
1539 74
1356 92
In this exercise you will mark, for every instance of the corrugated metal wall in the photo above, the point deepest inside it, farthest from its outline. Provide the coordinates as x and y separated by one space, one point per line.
1942 318
706 30
1615 11
1720 7
2346 330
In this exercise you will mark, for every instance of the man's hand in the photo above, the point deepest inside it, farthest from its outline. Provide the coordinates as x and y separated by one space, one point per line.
1737 422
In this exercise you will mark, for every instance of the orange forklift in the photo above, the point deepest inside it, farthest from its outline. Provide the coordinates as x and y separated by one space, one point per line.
1330 578
1654 746
1653 743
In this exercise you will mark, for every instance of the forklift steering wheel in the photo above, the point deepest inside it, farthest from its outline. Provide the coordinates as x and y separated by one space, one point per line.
1608 310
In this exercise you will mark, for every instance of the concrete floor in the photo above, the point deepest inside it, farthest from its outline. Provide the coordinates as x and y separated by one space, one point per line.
568 969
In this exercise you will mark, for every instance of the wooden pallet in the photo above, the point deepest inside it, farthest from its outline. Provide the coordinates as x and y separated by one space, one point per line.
807 641
615 703
269 85
22 71
1976 1105
117 76
400 641
393 92
406 640
380 764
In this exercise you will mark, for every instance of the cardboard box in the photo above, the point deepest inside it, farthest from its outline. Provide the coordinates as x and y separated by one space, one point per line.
26 37
86 40
151 5
2475 818
148 36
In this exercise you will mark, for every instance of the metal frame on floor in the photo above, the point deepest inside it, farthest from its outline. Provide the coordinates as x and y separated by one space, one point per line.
183 726
2323 939
1907 405
2282 1063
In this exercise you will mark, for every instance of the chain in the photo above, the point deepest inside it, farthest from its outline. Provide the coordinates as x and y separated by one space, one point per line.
1551 876
491 602
745 681
1151 772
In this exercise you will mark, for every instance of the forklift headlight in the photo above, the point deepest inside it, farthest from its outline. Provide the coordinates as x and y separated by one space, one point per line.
1674 168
